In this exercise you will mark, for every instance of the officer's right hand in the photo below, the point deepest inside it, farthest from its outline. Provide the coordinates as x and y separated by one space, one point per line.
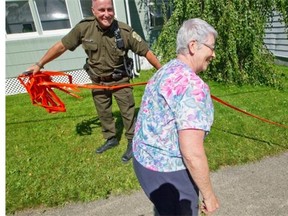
33 69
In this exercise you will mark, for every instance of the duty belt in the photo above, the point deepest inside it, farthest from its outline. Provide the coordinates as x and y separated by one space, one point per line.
104 78
112 77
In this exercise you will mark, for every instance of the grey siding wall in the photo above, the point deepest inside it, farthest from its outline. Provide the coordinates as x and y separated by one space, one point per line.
20 54
276 40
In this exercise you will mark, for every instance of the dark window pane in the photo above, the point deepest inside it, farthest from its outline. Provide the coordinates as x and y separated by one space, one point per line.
86 8
19 18
53 14
156 12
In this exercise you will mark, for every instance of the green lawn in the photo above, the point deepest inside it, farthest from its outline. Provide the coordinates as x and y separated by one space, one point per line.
50 158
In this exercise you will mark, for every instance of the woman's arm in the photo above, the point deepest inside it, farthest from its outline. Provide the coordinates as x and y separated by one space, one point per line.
192 149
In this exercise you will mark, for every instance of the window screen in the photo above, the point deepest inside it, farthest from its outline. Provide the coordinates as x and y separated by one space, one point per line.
53 14
19 18
86 8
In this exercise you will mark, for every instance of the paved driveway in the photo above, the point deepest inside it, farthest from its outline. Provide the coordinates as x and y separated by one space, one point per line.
255 189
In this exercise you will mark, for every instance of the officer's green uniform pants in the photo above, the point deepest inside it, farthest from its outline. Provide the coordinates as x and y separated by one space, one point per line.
103 103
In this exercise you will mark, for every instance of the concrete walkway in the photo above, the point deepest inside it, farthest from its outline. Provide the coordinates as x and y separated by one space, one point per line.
256 189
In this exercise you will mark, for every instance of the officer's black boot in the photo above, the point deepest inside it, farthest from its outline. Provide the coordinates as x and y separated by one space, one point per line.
110 143
128 154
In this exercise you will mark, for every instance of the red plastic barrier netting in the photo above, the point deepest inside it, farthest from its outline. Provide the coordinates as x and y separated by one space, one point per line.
40 88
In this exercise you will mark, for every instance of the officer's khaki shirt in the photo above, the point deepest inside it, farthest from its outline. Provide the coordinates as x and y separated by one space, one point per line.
100 46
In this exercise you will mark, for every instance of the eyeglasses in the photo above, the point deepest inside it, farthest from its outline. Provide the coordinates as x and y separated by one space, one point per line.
212 48
209 46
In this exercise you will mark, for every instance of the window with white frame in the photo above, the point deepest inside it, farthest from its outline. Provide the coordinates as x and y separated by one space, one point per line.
50 14
19 17
53 14
86 8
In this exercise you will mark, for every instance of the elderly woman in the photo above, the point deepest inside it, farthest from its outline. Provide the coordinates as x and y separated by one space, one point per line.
175 115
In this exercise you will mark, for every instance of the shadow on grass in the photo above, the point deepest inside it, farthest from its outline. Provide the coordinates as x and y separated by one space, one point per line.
86 127
251 138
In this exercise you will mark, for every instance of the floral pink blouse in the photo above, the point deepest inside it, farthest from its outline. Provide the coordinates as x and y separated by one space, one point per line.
175 99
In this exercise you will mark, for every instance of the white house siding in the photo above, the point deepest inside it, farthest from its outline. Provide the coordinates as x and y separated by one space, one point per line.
276 40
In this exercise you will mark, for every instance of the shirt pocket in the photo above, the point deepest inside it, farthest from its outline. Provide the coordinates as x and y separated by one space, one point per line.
90 48
117 55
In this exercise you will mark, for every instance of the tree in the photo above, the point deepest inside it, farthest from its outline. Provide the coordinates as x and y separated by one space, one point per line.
242 57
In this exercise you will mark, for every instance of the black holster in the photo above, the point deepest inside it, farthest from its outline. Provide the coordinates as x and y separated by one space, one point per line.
125 71
128 64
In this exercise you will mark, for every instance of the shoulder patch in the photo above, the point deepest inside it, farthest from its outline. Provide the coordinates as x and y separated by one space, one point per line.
136 36
88 19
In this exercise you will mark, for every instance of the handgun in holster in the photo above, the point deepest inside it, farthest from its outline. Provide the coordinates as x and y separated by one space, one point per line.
128 64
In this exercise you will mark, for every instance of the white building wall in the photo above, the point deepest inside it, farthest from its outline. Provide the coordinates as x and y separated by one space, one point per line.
276 40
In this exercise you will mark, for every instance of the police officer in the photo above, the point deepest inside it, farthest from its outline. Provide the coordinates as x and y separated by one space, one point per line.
106 42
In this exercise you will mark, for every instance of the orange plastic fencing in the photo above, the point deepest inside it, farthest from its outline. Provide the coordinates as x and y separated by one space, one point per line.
40 88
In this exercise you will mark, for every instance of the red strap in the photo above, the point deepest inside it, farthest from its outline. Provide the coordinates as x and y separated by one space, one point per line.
44 95
40 88
249 114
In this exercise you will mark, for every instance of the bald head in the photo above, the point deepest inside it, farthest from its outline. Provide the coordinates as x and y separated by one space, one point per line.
103 10
94 1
